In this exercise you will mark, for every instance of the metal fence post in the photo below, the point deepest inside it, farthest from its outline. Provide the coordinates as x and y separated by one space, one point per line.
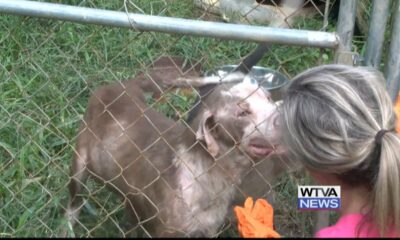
376 32
345 29
392 65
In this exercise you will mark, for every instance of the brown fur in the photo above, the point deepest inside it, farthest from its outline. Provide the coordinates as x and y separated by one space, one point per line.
176 180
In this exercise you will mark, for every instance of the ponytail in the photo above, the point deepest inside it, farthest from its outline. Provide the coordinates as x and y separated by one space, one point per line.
386 191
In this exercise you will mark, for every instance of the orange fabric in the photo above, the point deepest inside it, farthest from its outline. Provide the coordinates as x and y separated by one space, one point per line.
397 111
256 220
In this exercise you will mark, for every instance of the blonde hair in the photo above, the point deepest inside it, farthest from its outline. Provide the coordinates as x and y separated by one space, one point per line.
330 117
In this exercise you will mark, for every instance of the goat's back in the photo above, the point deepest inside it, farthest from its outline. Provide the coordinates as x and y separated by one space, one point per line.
122 133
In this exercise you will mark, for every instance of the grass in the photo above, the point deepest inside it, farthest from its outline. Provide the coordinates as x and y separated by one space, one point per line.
48 69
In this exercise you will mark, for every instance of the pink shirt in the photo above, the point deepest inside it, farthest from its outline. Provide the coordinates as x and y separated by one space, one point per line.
346 226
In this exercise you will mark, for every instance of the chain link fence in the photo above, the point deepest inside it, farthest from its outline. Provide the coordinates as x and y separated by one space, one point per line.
48 71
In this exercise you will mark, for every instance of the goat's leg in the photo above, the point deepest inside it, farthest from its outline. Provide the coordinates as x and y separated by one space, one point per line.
79 176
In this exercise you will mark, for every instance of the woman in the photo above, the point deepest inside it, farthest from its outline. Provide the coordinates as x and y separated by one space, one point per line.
339 122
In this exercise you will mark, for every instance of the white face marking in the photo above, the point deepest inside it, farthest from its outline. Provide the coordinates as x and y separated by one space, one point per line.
263 110
259 102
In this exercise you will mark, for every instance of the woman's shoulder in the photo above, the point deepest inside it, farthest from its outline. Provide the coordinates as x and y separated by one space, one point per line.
346 226
352 226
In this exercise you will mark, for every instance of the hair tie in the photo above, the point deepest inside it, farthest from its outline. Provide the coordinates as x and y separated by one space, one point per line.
379 135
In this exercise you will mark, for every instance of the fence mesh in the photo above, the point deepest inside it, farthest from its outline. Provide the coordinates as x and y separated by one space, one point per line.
49 69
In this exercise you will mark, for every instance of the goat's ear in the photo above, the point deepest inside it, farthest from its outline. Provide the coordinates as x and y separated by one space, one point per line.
204 133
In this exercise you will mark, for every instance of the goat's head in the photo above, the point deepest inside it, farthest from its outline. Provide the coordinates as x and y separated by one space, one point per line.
239 115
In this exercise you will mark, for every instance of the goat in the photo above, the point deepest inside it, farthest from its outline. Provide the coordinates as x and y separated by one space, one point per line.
176 179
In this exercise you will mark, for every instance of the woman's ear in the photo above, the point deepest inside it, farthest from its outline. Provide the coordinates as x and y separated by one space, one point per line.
204 133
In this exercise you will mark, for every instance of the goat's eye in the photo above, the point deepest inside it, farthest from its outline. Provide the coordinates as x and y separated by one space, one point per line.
243 113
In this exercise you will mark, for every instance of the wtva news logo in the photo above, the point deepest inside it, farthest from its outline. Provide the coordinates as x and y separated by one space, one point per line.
318 197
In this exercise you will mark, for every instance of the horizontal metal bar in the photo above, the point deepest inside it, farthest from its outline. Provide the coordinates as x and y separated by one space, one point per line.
392 65
141 22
